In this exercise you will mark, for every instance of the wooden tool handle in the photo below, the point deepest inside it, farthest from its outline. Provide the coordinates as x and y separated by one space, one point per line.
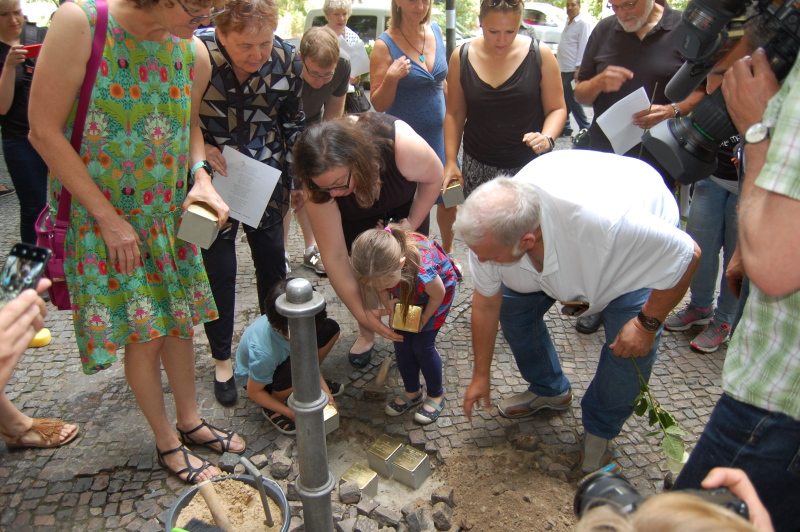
218 512
384 371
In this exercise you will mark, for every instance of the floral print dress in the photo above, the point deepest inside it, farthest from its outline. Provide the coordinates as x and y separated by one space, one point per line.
135 147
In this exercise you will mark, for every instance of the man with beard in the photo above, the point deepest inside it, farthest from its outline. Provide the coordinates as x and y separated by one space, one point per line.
602 239
632 49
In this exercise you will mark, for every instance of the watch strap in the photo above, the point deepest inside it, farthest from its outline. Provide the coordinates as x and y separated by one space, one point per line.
549 138
675 108
202 164
651 324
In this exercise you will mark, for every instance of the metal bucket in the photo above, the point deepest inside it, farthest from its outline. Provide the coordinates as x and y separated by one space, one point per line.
272 488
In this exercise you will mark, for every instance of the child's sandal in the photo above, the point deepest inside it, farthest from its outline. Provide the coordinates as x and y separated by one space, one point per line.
424 417
396 409
284 424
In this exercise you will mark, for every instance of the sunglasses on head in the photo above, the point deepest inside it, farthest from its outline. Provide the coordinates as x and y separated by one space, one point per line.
495 3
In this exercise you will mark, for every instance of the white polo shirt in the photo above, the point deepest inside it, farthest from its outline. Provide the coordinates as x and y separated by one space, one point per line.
609 227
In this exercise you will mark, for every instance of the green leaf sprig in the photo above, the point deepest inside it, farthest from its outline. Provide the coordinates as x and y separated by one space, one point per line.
645 403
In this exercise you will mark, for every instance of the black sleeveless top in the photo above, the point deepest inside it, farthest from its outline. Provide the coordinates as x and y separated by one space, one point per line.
396 196
497 118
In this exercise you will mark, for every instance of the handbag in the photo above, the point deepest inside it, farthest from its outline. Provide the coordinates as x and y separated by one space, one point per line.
357 102
52 235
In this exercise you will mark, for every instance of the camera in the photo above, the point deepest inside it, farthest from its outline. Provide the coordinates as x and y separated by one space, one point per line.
687 146
604 488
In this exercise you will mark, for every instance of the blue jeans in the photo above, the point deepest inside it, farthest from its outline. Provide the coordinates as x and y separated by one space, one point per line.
417 352
766 445
29 175
712 224
573 105
607 402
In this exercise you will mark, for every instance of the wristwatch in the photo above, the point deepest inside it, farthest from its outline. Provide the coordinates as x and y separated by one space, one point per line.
548 137
205 165
756 133
651 324
675 108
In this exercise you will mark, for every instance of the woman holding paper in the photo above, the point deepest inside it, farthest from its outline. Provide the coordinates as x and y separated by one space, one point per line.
505 99
252 104
337 13
359 173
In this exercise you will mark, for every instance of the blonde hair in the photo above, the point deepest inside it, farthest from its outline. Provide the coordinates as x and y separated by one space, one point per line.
376 254
667 512
332 5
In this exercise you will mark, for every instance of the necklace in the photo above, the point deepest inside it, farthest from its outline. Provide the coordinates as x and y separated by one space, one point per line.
422 53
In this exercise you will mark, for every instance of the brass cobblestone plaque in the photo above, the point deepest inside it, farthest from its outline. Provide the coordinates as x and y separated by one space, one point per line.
365 478
411 467
381 453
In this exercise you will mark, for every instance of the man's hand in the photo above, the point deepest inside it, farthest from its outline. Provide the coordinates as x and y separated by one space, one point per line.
737 481
478 390
612 78
655 114
748 86
217 160
633 340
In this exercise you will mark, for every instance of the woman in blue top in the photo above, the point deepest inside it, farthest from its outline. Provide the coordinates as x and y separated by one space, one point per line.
408 77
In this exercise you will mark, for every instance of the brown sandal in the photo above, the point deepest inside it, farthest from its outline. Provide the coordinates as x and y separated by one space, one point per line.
48 430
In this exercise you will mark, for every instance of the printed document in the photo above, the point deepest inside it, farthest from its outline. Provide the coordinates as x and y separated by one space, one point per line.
248 186
617 123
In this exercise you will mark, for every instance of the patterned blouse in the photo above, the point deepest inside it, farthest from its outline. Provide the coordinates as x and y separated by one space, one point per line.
261 117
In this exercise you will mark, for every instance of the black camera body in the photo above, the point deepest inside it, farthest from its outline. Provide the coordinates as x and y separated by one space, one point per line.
687 146
604 488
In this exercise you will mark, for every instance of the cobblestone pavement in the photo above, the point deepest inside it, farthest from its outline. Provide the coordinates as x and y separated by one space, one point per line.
109 478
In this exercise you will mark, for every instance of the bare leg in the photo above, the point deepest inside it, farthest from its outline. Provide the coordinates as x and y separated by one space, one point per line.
287 224
305 227
13 422
223 369
446 218
143 373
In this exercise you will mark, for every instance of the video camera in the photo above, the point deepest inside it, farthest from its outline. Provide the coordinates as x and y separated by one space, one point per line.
687 146
604 488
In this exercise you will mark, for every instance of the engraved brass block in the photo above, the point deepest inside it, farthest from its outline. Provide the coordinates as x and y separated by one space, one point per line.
364 477
411 323
381 453
453 195
411 467
199 225
331 417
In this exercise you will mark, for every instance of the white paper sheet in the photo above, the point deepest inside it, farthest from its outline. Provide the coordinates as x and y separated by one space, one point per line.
248 186
359 60
617 123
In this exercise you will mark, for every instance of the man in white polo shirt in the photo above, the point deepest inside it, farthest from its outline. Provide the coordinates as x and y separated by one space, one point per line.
590 229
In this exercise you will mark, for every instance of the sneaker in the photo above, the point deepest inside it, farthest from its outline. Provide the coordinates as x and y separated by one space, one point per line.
595 454
312 259
688 316
712 337
528 403
336 388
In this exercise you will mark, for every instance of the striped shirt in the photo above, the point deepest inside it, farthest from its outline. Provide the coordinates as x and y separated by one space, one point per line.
762 367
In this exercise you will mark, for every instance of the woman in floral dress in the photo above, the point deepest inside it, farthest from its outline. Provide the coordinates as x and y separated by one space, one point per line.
133 284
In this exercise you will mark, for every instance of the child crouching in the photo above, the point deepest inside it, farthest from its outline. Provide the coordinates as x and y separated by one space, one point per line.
410 269
264 368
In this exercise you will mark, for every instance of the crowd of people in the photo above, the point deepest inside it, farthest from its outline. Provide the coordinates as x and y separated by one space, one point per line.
594 231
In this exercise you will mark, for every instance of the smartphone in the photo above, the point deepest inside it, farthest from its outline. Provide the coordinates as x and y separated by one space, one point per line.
574 308
22 270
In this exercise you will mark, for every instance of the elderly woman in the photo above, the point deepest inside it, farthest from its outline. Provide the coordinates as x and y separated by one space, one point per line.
133 284
247 62
359 173
410 84
507 88
337 12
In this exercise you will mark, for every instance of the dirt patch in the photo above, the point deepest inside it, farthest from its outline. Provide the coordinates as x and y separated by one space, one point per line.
242 503
505 489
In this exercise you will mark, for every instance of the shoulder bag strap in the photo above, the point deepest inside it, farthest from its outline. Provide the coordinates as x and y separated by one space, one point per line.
537 54
100 28
462 54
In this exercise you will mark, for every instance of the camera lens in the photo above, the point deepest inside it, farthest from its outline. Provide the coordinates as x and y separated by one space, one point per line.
603 488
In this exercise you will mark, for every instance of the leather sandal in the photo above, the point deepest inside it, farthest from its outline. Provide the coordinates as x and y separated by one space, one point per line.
192 472
222 438
48 430
283 424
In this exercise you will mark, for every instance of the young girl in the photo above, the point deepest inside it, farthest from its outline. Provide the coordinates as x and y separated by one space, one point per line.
410 269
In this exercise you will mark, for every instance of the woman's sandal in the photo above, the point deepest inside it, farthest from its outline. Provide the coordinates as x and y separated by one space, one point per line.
284 424
192 472
396 409
424 417
48 430
222 438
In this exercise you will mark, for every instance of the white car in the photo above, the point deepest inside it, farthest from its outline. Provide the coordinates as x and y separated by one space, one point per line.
547 20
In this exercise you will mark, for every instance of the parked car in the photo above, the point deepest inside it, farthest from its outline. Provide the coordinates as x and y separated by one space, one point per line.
547 20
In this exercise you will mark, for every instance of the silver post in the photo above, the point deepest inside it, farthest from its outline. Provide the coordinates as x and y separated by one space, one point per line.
300 304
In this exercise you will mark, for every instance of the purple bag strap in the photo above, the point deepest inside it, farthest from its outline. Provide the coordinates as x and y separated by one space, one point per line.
100 28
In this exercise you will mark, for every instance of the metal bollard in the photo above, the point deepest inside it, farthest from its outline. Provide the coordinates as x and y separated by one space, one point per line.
314 485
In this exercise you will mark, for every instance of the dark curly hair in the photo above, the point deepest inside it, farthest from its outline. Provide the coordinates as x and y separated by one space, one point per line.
278 321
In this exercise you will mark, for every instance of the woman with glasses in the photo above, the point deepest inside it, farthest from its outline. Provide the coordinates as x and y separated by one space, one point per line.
252 104
408 76
133 284
504 98
360 173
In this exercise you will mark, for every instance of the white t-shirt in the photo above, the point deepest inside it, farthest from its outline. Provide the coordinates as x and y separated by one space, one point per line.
609 226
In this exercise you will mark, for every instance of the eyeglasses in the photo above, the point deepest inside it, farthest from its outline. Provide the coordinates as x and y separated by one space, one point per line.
314 74
495 3
197 19
313 186
625 6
